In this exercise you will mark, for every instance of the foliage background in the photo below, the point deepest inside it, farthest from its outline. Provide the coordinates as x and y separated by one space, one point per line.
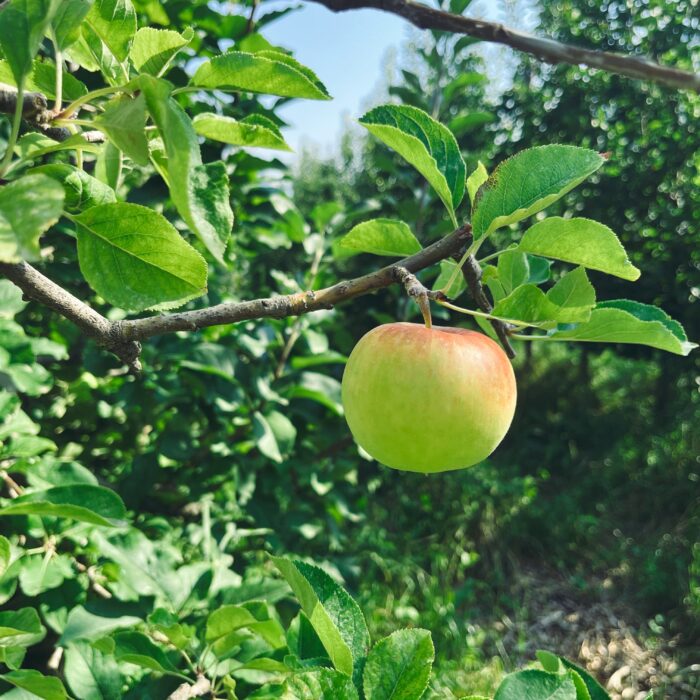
227 449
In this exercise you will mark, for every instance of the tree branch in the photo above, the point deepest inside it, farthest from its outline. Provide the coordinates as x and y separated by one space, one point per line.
37 287
195 690
547 50
36 112
122 338
471 271
35 107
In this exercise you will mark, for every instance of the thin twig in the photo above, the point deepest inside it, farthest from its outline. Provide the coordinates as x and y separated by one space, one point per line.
471 271
543 49
194 690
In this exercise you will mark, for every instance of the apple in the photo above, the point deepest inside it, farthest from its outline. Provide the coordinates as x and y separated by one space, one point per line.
428 399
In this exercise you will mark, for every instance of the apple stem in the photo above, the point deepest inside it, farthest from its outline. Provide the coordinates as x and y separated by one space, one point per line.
418 292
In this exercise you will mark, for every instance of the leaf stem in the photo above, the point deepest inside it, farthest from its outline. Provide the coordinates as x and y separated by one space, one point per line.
84 99
481 314
471 250
493 255
14 133
58 57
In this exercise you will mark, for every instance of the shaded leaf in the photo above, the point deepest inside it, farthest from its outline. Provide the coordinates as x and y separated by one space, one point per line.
136 648
622 321
23 24
82 502
124 123
200 193
114 21
20 628
82 191
46 687
381 237
91 674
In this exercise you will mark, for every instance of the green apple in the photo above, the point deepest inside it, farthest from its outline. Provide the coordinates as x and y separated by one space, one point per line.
428 399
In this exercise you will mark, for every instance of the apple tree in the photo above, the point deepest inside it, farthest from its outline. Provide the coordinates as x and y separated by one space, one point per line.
110 160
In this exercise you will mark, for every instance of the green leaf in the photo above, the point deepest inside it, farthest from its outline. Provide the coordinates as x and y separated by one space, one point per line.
136 259
83 625
93 54
595 689
124 123
529 182
623 321
381 237
540 269
463 80
224 626
579 241
550 662
265 438
154 49
574 295
321 684
200 193
81 190
82 502
12 657
581 689
108 165
426 144
46 687
225 620
91 674
274 434
23 24
11 301
320 388
28 207
35 145
513 270
268 72
5 554
536 685
38 575
335 616
398 667
114 21
476 180
465 123
447 269
67 19
20 628
253 131
570 300
136 648
43 79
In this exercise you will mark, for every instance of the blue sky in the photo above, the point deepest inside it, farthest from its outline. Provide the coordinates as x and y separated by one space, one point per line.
347 52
